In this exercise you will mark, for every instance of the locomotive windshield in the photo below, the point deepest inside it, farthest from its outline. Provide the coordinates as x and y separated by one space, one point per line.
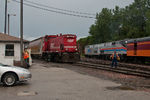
123 43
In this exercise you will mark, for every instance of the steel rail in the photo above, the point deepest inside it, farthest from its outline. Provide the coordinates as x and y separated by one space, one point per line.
127 71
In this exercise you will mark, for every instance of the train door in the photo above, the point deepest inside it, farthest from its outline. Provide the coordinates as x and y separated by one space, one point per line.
135 47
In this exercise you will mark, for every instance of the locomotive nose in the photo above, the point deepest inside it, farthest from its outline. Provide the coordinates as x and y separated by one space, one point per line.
71 48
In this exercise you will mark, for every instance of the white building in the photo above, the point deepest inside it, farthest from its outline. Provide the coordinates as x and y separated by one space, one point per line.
9 49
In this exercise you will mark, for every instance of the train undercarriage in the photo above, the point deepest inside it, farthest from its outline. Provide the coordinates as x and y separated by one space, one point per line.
62 57
123 58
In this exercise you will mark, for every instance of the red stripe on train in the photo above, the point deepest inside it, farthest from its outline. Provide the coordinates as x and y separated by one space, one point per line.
114 48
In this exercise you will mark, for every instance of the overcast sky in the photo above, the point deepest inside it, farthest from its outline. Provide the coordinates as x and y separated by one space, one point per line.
39 23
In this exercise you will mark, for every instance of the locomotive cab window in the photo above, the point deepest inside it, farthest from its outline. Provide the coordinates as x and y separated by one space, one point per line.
113 43
124 43
95 50
9 50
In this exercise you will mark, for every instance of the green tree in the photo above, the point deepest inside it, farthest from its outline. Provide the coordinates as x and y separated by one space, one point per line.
133 21
148 23
101 30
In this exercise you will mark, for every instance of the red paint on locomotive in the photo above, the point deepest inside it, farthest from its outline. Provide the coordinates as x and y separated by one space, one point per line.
63 43
46 40
59 48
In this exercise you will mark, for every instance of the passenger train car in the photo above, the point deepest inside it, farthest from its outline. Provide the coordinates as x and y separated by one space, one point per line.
139 49
129 49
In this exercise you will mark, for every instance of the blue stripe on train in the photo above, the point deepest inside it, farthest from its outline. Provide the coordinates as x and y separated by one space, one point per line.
116 50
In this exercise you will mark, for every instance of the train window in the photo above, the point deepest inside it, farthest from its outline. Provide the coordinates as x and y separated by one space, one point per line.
113 43
51 37
62 47
124 43
95 51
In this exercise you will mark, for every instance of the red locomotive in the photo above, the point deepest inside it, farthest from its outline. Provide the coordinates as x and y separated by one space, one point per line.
59 48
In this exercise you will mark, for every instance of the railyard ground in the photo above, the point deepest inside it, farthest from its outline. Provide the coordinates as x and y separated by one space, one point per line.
56 81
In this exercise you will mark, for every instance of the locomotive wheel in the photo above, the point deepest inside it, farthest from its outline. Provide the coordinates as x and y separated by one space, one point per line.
57 58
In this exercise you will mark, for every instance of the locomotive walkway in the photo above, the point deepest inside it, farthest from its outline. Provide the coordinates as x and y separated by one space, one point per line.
53 82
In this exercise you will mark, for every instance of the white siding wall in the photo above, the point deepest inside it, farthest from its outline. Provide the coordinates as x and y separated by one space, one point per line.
9 60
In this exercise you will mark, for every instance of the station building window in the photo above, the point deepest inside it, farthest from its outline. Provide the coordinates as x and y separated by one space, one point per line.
9 50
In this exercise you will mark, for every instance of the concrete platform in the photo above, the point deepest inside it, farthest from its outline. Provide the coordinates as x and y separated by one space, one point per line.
63 84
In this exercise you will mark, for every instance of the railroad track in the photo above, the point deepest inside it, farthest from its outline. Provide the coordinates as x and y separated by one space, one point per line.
123 70
120 64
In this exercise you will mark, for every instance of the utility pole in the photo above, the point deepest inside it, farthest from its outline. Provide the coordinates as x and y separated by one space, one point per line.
9 21
21 31
5 26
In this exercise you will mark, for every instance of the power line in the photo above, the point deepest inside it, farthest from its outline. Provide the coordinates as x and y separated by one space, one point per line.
84 13
33 6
